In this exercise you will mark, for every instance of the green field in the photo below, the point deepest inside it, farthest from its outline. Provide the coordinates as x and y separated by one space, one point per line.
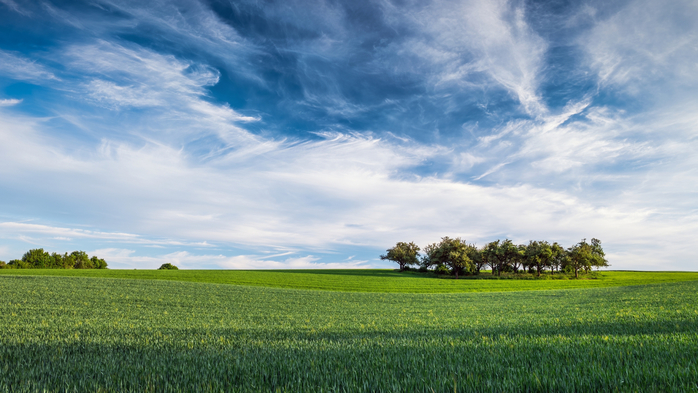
370 280
104 334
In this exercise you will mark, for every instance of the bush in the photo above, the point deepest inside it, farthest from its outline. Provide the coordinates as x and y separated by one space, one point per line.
168 266
98 263
18 264
3 265
441 269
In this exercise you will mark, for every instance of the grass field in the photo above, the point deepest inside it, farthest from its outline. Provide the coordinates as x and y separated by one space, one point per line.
102 334
369 280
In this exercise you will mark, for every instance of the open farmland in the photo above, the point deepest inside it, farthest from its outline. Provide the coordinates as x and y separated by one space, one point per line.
89 334
371 280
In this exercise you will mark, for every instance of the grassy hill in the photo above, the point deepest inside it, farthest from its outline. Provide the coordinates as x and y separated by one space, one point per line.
389 281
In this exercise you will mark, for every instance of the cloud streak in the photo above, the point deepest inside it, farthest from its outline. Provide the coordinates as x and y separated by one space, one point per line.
310 138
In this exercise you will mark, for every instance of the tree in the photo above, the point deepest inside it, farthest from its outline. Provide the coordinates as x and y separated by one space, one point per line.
40 259
37 258
490 255
499 255
584 256
599 256
18 264
168 266
452 253
558 258
404 254
517 257
82 260
539 254
475 255
98 263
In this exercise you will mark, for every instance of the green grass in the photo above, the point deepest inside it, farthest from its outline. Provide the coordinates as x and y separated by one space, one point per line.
369 280
100 334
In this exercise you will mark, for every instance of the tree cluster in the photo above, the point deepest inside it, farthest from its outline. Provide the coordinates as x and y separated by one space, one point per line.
457 257
40 259
168 266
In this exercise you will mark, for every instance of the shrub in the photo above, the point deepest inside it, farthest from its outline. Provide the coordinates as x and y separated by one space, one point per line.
18 264
98 263
441 269
168 266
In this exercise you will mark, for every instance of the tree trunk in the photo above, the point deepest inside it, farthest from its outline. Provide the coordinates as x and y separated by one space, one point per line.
538 269
576 272
456 273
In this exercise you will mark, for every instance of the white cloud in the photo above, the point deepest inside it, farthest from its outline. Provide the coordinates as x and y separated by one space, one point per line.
460 41
321 195
314 196
11 4
19 67
10 102
174 90
10 229
142 173
491 170
644 43
125 259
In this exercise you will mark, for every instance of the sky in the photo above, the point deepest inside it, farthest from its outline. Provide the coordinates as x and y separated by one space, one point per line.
317 134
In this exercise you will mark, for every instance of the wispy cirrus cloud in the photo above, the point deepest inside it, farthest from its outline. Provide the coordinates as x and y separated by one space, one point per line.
12 5
644 44
9 229
180 126
9 101
477 45
20 67
125 258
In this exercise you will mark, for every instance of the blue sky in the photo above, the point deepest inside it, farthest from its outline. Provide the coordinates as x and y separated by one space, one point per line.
316 134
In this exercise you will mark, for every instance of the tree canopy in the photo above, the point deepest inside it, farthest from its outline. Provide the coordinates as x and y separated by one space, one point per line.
453 253
455 256
404 254
39 259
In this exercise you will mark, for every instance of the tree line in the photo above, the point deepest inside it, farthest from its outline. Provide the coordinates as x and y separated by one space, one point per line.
457 257
40 259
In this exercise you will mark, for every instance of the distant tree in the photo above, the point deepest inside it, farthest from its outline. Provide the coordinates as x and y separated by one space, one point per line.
490 255
37 258
599 259
475 255
427 260
584 256
82 260
3 265
68 261
499 255
539 255
98 263
404 254
452 253
168 266
56 261
517 257
18 264
558 258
